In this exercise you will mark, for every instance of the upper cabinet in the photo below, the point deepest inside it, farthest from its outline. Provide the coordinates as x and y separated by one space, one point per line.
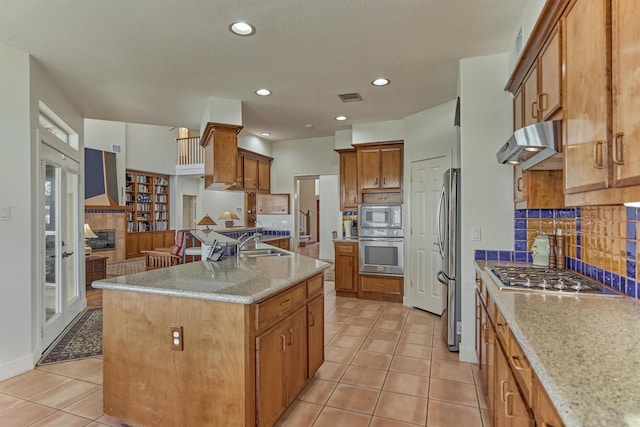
348 180
586 96
626 92
253 171
220 142
274 204
380 168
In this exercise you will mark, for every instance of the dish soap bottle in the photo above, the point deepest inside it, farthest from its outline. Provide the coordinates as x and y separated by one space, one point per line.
540 250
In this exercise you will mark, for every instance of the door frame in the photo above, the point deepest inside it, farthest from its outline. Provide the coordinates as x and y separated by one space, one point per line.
47 140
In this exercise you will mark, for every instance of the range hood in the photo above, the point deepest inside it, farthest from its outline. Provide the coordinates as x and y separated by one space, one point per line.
535 146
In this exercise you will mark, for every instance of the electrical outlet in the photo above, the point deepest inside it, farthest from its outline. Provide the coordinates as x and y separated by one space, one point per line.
176 338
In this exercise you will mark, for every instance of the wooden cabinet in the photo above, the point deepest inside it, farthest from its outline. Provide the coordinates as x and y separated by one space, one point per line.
518 110
586 97
544 411
251 213
348 180
254 171
383 288
380 167
346 268
220 142
275 204
510 408
530 88
626 87
536 189
315 334
283 243
95 268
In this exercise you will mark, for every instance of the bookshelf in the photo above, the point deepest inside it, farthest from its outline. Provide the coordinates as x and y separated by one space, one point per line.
148 196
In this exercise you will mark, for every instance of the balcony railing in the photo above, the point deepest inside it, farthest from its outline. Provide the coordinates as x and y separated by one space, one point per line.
189 151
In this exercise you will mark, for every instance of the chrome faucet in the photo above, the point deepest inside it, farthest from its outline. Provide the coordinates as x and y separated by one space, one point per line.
246 238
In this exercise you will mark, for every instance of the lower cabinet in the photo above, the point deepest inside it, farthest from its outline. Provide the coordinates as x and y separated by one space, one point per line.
95 269
382 288
346 268
315 334
280 243
281 366
514 395
148 241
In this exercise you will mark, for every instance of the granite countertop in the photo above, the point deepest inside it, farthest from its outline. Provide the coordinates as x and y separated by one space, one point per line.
585 350
235 279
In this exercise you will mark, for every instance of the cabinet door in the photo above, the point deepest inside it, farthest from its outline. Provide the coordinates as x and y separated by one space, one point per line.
544 411
272 204
344 269
348 181
270 375
296 353
626 87
391 167
518 185
369 168
531 98
585 97
250 169
550 72
145 241
510 408
315 334
240 171
264 176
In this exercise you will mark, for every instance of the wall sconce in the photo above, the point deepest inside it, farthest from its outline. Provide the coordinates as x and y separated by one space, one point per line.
229 217
206 220
88 234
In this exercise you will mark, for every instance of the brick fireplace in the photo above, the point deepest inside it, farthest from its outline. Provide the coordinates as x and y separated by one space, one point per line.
110 218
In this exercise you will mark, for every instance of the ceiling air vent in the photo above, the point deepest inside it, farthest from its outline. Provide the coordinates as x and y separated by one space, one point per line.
350 97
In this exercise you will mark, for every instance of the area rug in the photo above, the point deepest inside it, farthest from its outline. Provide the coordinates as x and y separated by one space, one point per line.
82 339
125 267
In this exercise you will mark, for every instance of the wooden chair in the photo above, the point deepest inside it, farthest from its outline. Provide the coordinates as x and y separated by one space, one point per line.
157 259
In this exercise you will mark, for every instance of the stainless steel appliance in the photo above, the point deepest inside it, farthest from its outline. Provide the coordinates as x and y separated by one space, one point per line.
535 146
448 220
380 242
381 255
380 217
548 281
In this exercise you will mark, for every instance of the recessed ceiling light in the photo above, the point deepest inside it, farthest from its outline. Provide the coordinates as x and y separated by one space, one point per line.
308 125
242 28
341 118
265 134
380 82
263 92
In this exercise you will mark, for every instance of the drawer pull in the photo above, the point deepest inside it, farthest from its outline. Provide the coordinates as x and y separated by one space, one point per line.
284 343
290 337
517 363
285 302
313 319
507 407
502 391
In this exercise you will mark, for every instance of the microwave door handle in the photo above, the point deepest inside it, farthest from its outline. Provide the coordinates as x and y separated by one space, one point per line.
439 223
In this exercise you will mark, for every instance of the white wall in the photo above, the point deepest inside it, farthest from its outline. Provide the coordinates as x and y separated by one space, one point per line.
343 139
151 148
254 143
214 203
329 220
487 187
392 130
102 135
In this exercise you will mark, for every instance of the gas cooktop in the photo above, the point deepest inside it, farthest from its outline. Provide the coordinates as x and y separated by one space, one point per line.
547 280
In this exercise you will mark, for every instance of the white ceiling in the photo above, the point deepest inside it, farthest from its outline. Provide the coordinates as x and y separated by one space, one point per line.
156 61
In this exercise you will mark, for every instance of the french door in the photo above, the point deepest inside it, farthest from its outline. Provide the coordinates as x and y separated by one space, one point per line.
61 247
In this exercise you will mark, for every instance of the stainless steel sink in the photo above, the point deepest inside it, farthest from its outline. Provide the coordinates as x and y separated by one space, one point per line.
253 253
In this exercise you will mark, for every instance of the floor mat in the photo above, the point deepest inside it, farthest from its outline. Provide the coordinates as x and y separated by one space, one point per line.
82 339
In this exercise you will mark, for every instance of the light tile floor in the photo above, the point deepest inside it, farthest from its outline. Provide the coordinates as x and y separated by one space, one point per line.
386 366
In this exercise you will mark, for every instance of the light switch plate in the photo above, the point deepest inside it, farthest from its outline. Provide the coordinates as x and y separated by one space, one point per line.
5 213
476 234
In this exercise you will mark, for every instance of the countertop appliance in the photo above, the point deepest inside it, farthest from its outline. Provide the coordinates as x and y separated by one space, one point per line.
534 146
380 217
448 223
548 281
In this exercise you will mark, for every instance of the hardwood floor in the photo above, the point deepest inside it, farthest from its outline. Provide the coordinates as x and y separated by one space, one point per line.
94 298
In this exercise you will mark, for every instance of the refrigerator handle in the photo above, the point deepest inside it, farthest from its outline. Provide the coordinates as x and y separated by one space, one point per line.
439 223
442 278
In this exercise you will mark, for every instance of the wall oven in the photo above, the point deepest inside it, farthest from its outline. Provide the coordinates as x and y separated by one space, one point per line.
381 255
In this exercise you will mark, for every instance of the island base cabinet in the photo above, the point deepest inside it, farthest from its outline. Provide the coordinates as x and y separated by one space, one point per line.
281 366
315 334
509 406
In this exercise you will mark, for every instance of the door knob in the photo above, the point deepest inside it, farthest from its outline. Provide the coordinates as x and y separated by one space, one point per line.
66 254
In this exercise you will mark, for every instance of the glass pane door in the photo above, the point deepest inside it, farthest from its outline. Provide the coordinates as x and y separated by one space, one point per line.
61 296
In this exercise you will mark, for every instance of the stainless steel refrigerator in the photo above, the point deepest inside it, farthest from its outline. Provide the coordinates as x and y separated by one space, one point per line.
449 246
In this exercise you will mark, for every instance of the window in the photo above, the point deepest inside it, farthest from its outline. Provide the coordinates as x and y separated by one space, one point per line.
54 124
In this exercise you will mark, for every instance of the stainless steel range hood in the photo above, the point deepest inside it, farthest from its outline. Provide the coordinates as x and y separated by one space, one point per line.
535 146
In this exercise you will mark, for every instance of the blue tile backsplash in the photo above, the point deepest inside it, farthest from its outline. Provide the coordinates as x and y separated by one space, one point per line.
600 242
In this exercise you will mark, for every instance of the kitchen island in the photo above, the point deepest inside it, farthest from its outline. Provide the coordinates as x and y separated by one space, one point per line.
212 343
583 351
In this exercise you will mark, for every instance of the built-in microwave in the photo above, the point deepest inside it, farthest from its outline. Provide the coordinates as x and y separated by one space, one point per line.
387 217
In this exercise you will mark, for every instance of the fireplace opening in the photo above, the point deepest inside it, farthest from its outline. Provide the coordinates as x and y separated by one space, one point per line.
106 240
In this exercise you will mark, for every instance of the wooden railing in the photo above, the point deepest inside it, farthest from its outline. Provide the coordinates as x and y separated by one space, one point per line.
303 222
189 151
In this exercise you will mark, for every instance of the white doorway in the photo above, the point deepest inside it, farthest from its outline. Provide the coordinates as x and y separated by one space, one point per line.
426 183
62 251
188 212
